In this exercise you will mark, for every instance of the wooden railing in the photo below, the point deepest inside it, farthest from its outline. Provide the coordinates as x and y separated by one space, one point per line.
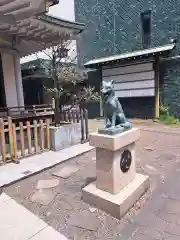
18 141
25 111
25 138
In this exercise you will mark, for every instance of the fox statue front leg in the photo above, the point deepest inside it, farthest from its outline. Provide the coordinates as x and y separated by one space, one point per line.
113 120
107 123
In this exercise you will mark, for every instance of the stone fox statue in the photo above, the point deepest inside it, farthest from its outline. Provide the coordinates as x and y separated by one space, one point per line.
113 112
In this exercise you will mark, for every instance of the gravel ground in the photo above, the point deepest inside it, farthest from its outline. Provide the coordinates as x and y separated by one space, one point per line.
156 154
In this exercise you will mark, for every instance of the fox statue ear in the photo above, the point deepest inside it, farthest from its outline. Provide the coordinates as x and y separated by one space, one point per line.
112 82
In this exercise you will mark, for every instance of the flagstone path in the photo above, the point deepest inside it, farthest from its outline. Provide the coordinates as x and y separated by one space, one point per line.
60 206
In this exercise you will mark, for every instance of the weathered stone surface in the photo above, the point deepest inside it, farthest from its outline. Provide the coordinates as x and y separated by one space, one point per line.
151 168
87 221
48 183
43 197
173 229
65 136
66 172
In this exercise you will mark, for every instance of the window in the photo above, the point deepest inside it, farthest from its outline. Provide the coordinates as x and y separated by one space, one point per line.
146 28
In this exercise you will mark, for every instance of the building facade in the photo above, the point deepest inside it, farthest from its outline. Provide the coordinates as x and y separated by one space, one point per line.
117 27
26 28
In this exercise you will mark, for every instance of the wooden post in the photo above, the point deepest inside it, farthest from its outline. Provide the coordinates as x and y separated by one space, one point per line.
22 139
42 134
157 98
35 136
82 125
64 113
69 116
3 142
11 142
77 115
15 141
73 116
48 134
86 123
29 137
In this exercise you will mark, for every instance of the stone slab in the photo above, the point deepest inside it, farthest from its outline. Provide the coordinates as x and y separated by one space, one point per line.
43 197
114 142
17 222
65 136
49 234
4 198
66 172
89 221
47 183
116 205
37 163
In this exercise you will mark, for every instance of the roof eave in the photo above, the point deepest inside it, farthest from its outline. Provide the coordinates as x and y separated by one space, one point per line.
55 2
62 22
109 60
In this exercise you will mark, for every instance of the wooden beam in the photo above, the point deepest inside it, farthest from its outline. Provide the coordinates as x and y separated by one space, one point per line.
157 95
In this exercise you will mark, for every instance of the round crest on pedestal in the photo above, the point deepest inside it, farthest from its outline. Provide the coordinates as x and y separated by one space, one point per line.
125 161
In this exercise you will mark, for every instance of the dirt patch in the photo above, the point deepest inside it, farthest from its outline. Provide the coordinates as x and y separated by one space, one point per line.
156 154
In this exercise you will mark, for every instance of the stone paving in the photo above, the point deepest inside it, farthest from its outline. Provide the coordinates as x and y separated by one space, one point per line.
160 218
157 155
17 223
11 172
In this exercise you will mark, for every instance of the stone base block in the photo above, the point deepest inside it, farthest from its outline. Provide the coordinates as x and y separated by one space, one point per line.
116 205
65 136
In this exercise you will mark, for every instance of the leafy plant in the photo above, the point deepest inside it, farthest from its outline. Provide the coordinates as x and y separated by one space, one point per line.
166 117
69 85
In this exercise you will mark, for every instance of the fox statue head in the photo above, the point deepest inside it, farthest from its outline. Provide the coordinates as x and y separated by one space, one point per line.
107 89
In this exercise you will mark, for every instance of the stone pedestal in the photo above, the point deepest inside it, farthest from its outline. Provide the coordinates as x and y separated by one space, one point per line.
118 186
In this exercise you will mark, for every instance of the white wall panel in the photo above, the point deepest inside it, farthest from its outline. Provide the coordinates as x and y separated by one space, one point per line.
128 69
131 77
132 81
135 85
136 93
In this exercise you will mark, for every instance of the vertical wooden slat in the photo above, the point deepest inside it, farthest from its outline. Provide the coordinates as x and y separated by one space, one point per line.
73 116
82 125
77 116
3 142
69 116
86 123
29 137
48 133
65 118
11 143
35 136
14 141
157 95
42 134
22 139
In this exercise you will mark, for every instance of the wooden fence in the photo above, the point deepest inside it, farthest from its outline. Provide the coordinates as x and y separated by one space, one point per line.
20 140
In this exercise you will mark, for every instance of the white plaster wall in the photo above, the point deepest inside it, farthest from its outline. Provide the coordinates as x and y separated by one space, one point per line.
9 80
132 81
64 10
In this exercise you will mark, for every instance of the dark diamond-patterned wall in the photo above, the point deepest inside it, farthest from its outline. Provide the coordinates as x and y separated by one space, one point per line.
113 26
